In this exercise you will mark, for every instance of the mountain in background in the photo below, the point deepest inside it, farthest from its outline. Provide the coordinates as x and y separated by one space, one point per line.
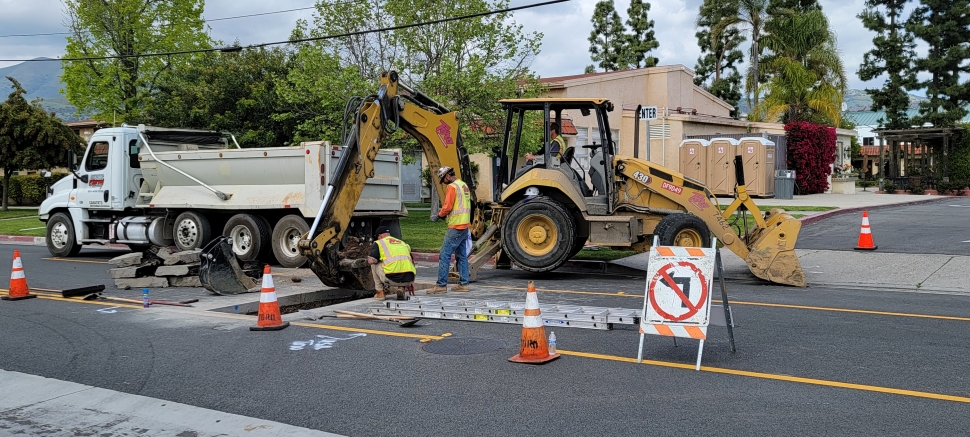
41 79
855 101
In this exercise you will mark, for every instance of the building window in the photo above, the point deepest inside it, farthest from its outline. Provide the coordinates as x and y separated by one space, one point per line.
868 141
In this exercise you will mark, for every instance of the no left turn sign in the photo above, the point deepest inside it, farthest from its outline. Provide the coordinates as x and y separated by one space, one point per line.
678 291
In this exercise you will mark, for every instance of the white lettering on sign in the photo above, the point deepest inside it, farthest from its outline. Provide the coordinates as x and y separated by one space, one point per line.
671 187
648 113
720 150
644 179
750 149
769 156
691 150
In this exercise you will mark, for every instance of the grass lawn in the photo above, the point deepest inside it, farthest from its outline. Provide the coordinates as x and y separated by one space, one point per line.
14 213
421 234
417 205
32 227
792 208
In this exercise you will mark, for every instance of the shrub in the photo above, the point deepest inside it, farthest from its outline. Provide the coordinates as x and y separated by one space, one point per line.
31 189
811 148
888 187
917 189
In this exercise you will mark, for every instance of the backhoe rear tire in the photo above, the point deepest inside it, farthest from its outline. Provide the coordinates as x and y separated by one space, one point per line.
539 235
683 230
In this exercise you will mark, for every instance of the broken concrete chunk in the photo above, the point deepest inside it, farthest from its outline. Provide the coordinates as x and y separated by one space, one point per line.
184 281
128 259
126 272
180 270
183 257
149 282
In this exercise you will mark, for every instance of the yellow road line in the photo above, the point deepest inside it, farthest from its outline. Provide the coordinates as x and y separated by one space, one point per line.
763 304
776 377
745 373
76 260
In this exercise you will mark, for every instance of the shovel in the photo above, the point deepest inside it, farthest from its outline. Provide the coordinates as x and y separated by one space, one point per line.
410 321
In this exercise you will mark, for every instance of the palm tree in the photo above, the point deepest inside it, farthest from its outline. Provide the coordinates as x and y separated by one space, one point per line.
751 16
807 76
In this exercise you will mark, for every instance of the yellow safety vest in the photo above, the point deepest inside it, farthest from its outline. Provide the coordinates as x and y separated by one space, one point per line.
562 146
461 211
396 255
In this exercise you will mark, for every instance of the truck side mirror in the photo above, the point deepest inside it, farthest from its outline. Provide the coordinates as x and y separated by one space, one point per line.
71 160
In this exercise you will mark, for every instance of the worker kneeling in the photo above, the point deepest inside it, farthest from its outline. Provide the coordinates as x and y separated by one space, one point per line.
391 265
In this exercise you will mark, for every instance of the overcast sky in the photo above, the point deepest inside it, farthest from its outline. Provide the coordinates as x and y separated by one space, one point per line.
566 26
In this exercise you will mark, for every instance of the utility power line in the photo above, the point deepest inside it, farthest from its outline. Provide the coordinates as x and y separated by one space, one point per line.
295 41
203 20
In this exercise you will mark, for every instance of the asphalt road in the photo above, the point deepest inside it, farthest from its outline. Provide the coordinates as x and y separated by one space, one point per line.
937 227
810 361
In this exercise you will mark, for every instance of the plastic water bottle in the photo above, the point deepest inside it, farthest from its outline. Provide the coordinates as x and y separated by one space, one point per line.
552 343
144 297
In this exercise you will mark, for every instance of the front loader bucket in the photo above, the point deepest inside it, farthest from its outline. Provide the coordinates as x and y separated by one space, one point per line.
220 271
771 251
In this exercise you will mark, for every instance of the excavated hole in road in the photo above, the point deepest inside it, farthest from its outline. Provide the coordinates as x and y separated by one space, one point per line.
295 302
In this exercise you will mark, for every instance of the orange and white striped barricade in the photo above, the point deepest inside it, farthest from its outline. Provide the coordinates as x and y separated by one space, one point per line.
677 300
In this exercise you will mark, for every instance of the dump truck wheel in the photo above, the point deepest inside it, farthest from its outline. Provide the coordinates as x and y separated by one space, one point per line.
539 235
191 231
61 238
286 237
248 234
683 230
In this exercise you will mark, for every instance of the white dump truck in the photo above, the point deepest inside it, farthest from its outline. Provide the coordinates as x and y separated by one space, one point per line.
145 185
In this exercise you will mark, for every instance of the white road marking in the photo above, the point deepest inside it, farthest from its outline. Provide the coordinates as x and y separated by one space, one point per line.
960 206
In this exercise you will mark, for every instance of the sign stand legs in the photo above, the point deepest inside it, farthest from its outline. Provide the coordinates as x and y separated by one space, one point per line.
640 354
729 321
700 352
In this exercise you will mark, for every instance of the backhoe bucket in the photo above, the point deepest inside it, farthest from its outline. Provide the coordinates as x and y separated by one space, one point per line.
771 251
220 271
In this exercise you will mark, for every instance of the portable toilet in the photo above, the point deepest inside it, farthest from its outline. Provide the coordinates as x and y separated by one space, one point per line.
721 179
758 155
693 159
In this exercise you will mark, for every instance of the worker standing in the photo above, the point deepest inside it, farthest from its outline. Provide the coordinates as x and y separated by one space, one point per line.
391 264
457 208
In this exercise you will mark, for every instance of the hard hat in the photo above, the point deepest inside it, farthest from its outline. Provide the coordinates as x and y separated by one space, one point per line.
443 171
531 193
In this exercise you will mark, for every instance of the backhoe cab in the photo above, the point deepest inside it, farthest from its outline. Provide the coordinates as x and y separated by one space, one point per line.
549 208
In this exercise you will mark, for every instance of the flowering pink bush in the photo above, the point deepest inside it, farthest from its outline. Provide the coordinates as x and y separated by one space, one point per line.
811 149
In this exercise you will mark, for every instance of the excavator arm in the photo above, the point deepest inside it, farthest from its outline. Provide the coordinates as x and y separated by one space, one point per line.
342 263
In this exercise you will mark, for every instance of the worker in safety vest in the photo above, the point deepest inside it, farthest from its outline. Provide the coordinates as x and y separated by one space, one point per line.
557 146
391 264
457 207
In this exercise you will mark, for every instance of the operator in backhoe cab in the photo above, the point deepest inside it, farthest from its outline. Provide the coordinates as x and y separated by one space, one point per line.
556 146
457 208
391 265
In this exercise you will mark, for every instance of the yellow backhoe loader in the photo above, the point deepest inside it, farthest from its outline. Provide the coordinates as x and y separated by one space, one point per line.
551 207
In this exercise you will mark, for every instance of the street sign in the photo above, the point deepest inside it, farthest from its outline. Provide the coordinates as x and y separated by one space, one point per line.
648 113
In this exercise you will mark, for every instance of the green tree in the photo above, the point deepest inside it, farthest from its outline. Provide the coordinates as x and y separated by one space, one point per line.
125 30
945 27
716 68
892 54
807 76
608 38
751 16
30 138
641 40
775 7
235 92
467 65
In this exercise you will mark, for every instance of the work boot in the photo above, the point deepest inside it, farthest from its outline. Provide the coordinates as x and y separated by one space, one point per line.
459 288
438 289
379 295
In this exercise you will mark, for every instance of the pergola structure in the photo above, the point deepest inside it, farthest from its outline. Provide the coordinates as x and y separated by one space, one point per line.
917 152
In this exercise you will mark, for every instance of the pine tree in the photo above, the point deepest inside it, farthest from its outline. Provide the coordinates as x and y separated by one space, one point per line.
945 27
892 54
607 40
716 65
641 40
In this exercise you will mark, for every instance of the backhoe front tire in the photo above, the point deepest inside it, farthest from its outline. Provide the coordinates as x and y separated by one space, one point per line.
683 230
539 235
61 236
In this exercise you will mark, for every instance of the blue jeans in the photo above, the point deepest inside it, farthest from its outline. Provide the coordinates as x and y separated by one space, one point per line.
454 244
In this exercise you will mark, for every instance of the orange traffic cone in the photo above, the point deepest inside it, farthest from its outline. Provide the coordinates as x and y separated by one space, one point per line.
18 280
533 348
269 310
865 235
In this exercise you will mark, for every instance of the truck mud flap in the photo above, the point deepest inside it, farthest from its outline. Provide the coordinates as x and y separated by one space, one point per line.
221 273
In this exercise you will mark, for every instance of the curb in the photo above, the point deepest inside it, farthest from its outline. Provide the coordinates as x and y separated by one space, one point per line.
824 215
591 266
17 239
